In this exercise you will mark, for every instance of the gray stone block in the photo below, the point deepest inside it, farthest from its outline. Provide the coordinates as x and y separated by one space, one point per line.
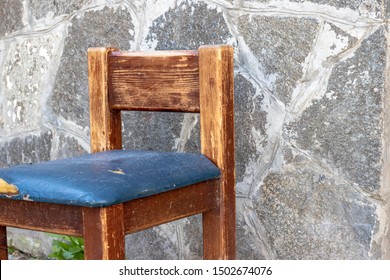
2 55
29 149
274 41
11 15
250 124
40 8
151 130
187 26
248 243
344 127
37 244
310 216
148 244
101 28
25 77
387 9
67 146
366 8
192 247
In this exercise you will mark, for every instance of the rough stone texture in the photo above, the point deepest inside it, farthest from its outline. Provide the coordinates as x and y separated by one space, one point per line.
344 127
371 8
352 4
248 240
192 238
151 130
188 26
107 27
26 70
11 14
40 8
346 40
250 124
31 149
177 240
273 41
37 148
2 54
67 146
310 107
310 216
149 244
35 243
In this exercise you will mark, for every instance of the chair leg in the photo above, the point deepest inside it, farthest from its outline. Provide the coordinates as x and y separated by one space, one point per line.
219 240
219 226
3 243
104 237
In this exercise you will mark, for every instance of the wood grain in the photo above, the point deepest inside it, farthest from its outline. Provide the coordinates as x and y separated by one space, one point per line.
106 132
217 143
55 218
104 237
155 81
154 210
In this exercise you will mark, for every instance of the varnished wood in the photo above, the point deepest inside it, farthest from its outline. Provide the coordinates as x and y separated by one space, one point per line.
154 210
104 237
158 81
106 132
55 218
217 143
3 243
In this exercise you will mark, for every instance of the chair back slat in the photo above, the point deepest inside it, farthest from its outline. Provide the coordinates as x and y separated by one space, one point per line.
155 81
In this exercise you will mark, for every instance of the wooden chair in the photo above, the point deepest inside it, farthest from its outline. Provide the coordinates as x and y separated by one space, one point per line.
104 195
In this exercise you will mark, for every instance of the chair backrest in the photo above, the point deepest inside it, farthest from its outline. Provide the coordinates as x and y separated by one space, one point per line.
182 81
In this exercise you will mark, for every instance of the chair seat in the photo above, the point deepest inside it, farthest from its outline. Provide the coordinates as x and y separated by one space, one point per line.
107 178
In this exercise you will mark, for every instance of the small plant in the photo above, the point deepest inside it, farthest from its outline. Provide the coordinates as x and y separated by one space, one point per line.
67 248
11 250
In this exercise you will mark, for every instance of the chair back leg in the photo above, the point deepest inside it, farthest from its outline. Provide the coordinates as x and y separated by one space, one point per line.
216 78
104 237
3 243
219 232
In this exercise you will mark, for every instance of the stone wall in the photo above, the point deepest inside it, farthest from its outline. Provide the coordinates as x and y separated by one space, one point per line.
312 114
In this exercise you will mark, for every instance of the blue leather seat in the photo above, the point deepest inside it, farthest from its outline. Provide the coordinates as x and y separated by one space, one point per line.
107 178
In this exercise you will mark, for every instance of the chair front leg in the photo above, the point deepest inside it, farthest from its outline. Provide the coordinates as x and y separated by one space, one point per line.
104 237
3 243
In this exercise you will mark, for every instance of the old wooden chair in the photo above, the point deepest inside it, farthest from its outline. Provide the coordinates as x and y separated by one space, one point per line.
112 192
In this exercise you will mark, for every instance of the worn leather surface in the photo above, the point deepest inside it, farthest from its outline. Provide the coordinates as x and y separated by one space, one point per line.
107 178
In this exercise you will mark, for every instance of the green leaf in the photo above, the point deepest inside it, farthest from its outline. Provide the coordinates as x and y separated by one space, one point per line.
67 248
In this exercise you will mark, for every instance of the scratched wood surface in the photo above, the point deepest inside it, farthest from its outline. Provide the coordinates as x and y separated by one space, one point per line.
217 142
55 218
158 81
106 132
104 237
154 210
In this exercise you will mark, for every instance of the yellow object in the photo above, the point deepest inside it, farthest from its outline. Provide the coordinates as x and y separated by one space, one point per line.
6 188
